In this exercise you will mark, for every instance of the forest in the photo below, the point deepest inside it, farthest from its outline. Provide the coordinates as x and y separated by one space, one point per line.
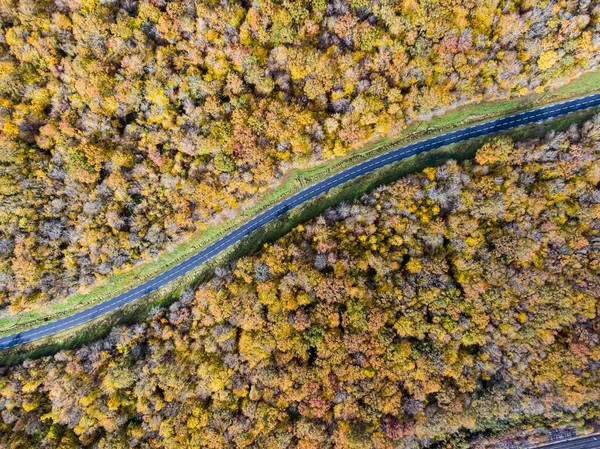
125 126
436 311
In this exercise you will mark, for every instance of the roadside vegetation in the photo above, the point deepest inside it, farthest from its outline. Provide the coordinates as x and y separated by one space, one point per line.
138 310
292 182
441 310
128 127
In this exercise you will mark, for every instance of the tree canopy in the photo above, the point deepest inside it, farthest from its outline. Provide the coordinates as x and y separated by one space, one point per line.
448 306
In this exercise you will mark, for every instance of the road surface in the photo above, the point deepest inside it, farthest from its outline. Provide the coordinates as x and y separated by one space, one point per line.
310 192
590 442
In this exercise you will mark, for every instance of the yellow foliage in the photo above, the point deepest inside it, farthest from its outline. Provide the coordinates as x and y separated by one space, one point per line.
255 349
430 172
547 60
31 404
414 265
10 129
31 386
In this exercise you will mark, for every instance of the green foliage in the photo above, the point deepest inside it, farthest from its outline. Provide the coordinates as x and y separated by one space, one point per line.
314 335
224 163
369 38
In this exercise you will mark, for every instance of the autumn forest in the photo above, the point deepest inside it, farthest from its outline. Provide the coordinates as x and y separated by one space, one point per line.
453 308
446 303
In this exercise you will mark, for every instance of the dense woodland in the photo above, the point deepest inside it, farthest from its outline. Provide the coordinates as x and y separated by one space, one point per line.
126 125
461 299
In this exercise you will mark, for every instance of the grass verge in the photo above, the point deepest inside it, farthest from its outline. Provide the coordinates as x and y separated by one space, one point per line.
294 181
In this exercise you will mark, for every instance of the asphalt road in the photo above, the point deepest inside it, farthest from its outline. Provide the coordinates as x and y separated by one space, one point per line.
591 442
295 200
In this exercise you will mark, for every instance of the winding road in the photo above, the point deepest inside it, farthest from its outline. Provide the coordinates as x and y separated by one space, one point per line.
308 193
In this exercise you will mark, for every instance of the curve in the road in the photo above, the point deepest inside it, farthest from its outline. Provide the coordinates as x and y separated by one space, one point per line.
308 193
